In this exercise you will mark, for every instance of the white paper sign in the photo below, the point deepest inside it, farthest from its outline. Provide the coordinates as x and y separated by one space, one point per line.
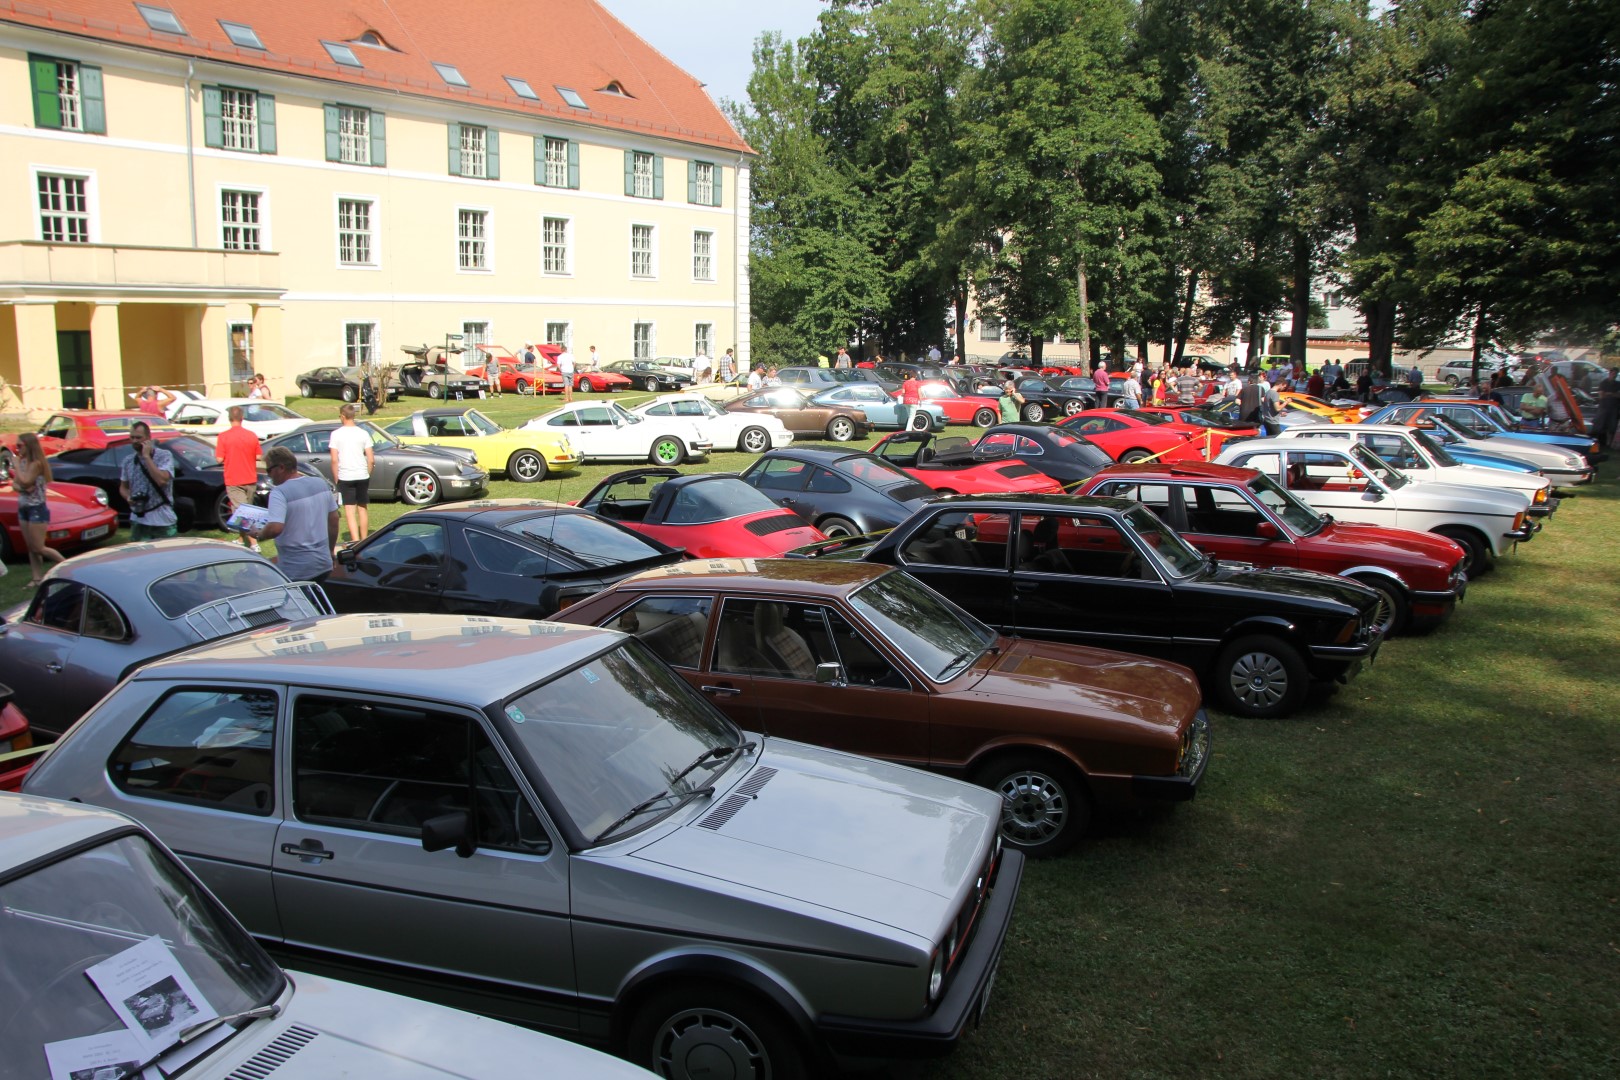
116 1055
247 518
151 993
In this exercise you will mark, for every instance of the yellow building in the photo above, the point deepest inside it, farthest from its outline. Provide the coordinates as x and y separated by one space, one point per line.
196 190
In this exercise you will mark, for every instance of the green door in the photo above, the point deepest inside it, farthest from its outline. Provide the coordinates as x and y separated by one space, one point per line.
73 361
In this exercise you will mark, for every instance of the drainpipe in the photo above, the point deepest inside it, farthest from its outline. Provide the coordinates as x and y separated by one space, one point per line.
191 163
739 252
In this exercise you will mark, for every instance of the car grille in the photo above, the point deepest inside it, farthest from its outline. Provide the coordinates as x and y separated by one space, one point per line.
774 524
297 600
275 1053
967 919
746 792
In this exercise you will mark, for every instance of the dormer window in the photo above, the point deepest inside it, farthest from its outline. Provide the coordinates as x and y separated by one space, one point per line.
615 88
372 40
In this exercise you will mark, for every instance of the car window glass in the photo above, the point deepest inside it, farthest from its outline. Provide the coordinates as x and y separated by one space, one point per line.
191 589
1220 512
499 556
1268 463
674 627
779 474
933 633
320 442
690 408
663 409
204 745
298 443
827 482
114 456
1002 441
585 538
192 451
863 664
715 500
265 412
57 427
566 419
1028 447
1085 544
410 543
102 619
1155 497
595 416
772 639
953 539
1395 450
401 427
59 605
387 768
1324 472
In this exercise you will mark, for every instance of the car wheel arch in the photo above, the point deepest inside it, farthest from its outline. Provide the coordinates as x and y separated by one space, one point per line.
1285 630
742 973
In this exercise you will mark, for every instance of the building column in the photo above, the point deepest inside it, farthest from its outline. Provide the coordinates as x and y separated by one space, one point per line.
107 358
39 370
208 350
267 358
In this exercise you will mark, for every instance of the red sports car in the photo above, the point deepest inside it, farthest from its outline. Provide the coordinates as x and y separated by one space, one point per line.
977 409
1241 515
522 379
71 429
952 466
1220 430
1131 435
80 517
711 515
14 736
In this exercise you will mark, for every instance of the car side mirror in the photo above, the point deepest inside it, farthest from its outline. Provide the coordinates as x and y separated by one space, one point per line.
347 557
831 674
449 830
1265 530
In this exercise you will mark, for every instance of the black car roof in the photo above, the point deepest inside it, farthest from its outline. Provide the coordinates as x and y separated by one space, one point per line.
493 511
1038 501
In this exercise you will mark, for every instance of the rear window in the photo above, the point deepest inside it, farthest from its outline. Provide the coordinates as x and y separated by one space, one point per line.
716 500
584 538
191 589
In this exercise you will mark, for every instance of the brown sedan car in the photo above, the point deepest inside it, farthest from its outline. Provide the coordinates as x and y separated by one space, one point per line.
867 659
793 408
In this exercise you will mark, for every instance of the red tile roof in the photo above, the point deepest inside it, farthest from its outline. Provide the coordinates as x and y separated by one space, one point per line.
549 43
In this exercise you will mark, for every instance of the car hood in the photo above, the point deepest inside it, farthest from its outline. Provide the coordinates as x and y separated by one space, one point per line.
1284 581
1377 545
879 842
1459 499
1093 682
1483 476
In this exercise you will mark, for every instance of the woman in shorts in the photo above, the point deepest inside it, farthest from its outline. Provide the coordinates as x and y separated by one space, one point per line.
30 473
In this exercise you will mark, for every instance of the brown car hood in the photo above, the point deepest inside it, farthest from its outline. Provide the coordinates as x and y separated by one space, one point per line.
1094 682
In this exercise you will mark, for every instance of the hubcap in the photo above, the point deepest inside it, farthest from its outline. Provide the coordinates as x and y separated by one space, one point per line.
754 441
1259 680
420 487
710 1043
1033 807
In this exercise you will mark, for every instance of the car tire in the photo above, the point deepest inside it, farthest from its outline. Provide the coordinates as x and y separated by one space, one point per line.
5 547
1131 457
1032 412
1393 609
418 487
690 1030
920 422
1451 380
834 527
1480 560
1073 407
526 467
754 440
667 450
650 384
583 385
1045 807
305 390
522 386
840 429
985 418
349 393
1260 676
435 390
222 508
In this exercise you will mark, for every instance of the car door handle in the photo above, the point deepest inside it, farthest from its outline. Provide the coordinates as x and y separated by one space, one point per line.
308 850
1027 586
728 691
54 666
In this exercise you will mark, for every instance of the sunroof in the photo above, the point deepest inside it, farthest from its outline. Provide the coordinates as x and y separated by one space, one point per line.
572 97
521 88
161 19
241 34
449 74
341 54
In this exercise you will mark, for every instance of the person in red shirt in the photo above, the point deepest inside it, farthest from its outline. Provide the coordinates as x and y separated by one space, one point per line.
238 449
1316 386
910 398
154 401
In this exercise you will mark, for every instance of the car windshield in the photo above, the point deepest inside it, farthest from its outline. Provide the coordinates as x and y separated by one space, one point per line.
616 731
584 538
379 439
885 476
266 411
935 634
1378 468
1286 505
481 423
191 451
1440 454
1145 417
191 589
1169 549
65 917
716 500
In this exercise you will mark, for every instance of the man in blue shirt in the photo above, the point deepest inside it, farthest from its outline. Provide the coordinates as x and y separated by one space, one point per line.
303 518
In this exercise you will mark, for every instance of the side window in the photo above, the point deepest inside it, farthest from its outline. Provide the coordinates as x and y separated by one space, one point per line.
500 556
827 482
1084 544
400 427
114 456
380 767
688 408
863 664
662 409
567 419
780 474
773 640
1270 464
298 444
1220 512
102 619
413 543
1393 449
595 417
320 442
953 539
674 627
60 606
999 441
1324 472
1028 447
210 746
57 427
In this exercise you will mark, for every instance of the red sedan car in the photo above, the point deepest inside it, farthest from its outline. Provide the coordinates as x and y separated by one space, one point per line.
71 429
80 517
711 515
953 466
1131 435
1241 515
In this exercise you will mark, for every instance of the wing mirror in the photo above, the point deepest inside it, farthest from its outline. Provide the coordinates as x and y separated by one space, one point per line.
831 674
1265 530
449 830
347 557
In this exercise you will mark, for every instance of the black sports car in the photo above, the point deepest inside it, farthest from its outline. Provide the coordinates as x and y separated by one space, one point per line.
199 478
417 475
646 375
1107 572
1043 401
841 492
342 383
1065 457
523 558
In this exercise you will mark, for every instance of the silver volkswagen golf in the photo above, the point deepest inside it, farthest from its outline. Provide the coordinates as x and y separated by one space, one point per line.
546 824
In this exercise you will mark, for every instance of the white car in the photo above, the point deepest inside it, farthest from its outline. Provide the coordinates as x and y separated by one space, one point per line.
1565 468
116 958
724 430
1420 456
606 431
1352 483
210 416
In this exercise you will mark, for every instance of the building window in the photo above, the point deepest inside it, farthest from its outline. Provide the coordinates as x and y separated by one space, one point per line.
643 175
703 339
989 328
354 135
1333 300
641 341
559 163
354 232
64 209
554 245
472 239
239 220
641 251
67 95
359 343
558 333
236 119
473 162
703 256
239 112
241 347
475 152
474 334
703 183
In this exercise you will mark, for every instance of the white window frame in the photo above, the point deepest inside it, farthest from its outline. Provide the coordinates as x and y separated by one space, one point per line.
708 349
69 98
712 235
547 141
568 245
481 152
638 157
985 323
92 212
705 197
488 240
489 332
376 341
239 119
652 249
264 213
354 135
652 339
567 341
338 199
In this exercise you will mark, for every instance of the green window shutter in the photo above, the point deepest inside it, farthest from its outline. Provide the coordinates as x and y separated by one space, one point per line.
213 121
629 172
455 149
92 105
540 160
718 173
267 124
573 164
379 139
47 107
492 153
334 145
691 181
658 176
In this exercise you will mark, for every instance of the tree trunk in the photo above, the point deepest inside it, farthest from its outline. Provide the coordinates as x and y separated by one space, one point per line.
1185 329
1254 341
1479 341
1380 319
959 301
1084 299
1171 278
1036 345
1302 300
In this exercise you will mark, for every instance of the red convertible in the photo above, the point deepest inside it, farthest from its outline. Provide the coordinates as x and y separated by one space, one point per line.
711 515
1131 435
80 517
953 466
71 429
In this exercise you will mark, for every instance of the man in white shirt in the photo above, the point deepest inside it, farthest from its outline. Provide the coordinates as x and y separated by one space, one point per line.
591 362
565 368
755 379
1234 384
352 462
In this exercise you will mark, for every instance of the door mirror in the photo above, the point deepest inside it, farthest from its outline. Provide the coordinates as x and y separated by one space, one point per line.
449 830
831 674
347 557
1265 530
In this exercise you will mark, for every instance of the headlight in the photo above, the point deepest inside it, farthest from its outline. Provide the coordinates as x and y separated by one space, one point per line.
101 497
1574 461
936 976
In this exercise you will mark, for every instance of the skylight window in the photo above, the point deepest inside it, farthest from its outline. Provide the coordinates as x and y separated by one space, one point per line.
241 35
341 54
161 19
449 74
521 88
572 97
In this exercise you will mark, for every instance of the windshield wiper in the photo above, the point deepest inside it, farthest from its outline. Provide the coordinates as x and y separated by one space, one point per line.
709 755
965 659
647 804
195 1031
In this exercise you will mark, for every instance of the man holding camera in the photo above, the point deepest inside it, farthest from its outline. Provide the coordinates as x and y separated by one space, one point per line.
146 482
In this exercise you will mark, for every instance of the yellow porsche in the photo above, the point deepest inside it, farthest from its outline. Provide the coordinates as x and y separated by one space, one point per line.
525 456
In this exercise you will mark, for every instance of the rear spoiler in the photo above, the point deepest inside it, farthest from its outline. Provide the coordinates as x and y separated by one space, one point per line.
847 548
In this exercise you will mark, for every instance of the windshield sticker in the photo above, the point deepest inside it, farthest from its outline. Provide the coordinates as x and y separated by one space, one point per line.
589 675
515 714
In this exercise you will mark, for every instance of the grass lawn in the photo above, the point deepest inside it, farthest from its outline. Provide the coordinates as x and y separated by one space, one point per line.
1417 876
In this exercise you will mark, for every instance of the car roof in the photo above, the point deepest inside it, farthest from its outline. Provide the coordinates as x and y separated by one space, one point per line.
154 559
36 828
830 578
1185 470
1038 501
466 659
494 512
824 454
1248 446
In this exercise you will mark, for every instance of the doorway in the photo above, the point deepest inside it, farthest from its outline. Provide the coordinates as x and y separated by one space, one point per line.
76 371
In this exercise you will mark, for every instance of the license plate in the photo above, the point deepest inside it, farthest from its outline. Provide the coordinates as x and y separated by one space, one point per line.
99 530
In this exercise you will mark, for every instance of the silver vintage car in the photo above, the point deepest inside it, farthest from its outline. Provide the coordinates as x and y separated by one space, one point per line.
544 822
